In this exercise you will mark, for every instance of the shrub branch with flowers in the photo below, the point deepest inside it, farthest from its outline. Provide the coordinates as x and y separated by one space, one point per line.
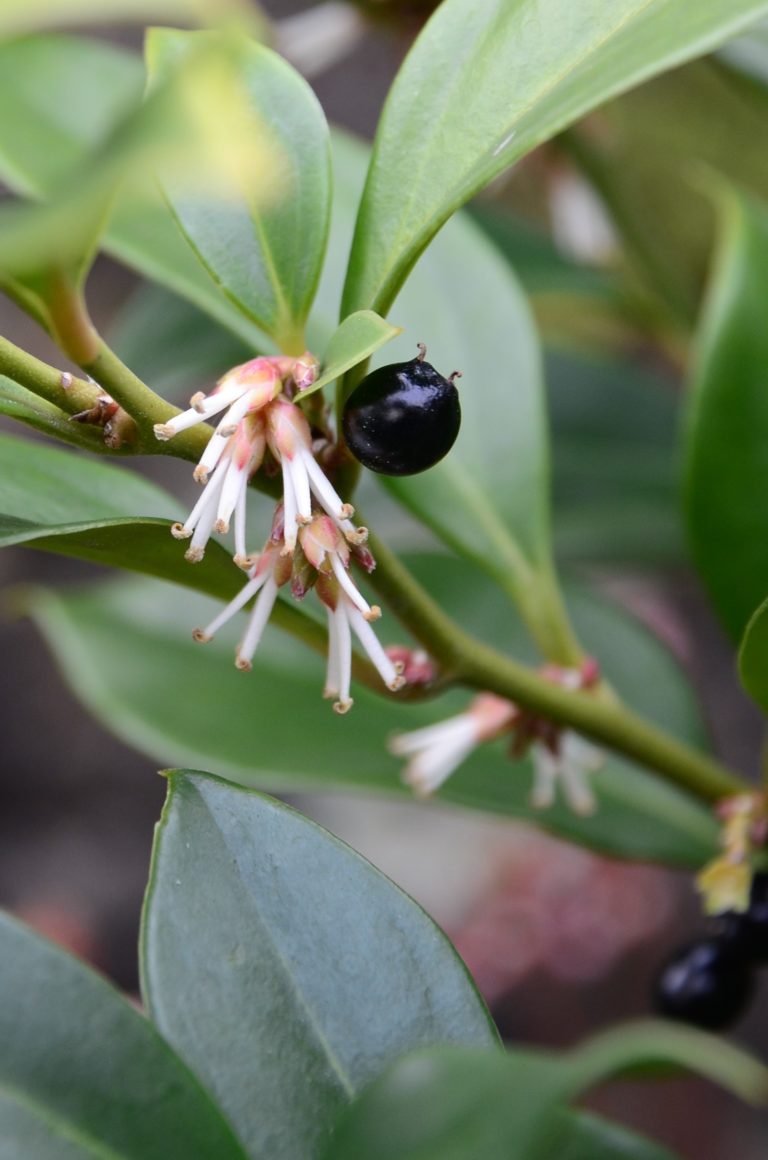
299 1004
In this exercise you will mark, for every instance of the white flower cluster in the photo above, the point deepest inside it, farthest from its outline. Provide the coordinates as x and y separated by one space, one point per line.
313 537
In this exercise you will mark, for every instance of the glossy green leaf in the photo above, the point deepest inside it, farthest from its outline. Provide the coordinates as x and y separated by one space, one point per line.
525 74
448 1104
358 336
727 436
488 499
285 968
84 1076
167 709
753 657
266 254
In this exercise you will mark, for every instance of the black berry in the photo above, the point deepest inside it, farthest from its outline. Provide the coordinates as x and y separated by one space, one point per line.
707 983
403 418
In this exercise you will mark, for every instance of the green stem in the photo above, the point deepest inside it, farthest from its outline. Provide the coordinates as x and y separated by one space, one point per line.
58 387
134 396
470 662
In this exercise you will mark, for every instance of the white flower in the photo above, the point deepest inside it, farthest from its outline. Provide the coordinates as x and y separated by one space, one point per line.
266 576
238 457
233 453
558 755
290 441
256 417
347 610
435 751
568 760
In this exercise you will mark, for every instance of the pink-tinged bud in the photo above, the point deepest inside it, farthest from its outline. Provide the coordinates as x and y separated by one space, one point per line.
287 429
364 557
278 524
416 666
590 672
249 443
492 715
303 575
259 377
305 370
328 590
320 540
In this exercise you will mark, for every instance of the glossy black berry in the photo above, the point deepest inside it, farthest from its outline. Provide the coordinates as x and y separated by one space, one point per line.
707 983
403 418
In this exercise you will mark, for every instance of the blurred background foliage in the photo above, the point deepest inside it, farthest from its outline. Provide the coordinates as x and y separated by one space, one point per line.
611 229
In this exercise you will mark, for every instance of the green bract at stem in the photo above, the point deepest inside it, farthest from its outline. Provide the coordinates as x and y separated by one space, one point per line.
470 662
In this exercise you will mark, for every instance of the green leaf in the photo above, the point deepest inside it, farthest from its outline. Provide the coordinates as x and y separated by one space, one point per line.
488 499
284 968
648 165
525 77
166 709
53 500
593 1138
615 459
85 1076
44 140
541 267
17 16
356 339
43 245
172 345
447 1104
265 255
727 435
753 657
43 137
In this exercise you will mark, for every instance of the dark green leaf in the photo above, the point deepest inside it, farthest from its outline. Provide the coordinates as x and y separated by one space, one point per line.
264 253
727 436
524 78
168 709
286 969
84 1075
447 1104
